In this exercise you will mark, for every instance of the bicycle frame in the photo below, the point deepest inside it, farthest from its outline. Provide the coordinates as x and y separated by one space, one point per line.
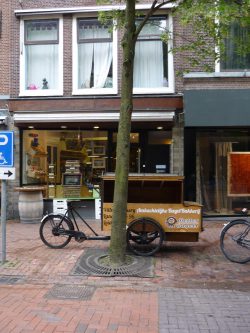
77 232
73 211
240 239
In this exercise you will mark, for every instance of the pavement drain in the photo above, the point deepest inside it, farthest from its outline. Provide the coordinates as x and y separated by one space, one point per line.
72 292
10 279
88 264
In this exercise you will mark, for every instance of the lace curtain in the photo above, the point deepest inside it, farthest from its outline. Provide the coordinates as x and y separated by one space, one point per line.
148 64
94 58
42 61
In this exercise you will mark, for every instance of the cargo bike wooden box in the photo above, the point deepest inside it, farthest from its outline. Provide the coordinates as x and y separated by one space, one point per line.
156 211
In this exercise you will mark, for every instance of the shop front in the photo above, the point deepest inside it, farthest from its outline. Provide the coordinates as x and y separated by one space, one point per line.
69 163
68 145
217 150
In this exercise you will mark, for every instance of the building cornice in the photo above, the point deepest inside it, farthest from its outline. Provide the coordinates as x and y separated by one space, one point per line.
75 10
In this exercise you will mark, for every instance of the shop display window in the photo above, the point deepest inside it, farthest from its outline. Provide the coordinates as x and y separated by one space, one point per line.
222 171
68 163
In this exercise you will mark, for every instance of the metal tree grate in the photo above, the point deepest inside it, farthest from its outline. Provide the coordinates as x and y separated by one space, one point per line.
88 264
73 292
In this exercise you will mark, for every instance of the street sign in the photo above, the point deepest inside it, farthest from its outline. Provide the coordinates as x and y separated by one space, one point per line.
6 149
7 173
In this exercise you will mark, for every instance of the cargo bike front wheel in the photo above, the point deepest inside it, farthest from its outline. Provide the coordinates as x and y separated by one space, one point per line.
144 236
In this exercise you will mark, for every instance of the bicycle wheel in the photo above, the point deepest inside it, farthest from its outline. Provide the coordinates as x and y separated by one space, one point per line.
235 241
144 237
51 233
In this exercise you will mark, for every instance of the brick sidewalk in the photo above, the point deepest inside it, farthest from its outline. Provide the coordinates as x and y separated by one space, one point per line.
120 304
203 310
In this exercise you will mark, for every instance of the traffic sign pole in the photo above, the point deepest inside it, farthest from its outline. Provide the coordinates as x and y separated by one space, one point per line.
6 172
3 219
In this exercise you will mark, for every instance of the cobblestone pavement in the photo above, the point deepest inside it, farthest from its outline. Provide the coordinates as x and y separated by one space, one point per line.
194 289
203 310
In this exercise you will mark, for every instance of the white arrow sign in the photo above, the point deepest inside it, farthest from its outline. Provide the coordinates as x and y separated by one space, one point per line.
8 173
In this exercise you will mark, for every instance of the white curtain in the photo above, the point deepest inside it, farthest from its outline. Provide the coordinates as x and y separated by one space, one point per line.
85 60
102 59
97 55
102 62
41 61
148 64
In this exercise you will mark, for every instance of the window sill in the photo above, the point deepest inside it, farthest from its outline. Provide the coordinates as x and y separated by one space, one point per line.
222 74
38 93
105 91
165 90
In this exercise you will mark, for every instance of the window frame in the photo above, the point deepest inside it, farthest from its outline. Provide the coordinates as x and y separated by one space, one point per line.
41 92
219 63
91 91
171 81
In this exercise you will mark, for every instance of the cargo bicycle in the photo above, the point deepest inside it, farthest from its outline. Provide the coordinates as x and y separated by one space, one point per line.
156 213
57 230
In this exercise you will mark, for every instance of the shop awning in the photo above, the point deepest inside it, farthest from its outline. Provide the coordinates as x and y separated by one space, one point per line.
76 117
216 108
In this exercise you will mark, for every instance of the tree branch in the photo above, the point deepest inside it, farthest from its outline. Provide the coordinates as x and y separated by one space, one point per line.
155 6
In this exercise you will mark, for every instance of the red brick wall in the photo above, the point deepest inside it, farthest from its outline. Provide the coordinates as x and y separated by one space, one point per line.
5 47
9 45
13 42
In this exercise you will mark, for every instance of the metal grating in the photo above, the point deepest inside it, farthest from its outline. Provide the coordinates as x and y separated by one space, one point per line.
10 279
88 264
72 292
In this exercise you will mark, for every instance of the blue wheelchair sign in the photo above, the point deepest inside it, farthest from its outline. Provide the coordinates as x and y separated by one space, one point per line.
6 149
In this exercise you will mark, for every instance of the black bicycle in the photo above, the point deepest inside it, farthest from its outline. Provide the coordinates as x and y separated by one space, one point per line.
57 230
235 240
144 235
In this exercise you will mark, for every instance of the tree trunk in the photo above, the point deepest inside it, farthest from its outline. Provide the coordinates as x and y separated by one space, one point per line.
117 250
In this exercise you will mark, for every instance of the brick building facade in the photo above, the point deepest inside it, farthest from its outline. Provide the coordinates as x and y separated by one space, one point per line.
69 114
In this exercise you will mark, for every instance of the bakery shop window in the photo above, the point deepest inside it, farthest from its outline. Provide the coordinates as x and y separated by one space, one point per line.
68 163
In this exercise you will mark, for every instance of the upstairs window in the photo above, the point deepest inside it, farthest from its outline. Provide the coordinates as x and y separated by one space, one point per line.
95 63
153 63
235 57
41 58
